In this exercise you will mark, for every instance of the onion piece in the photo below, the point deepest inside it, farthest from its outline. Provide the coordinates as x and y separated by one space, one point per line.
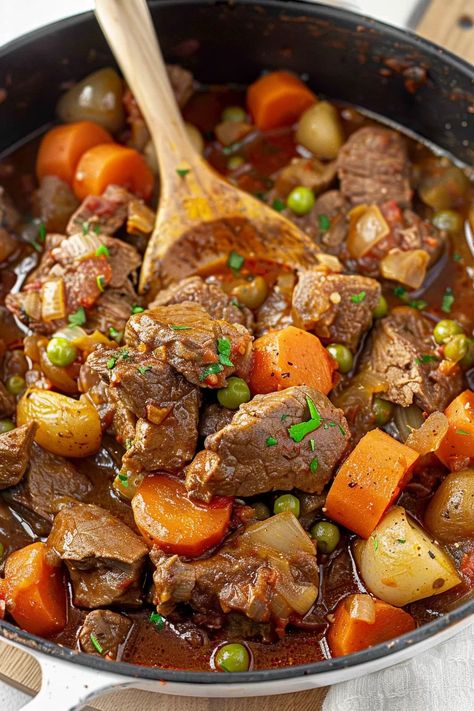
362 608
140 218
70 333
80 246
407 267
53 301
282 533
429 436
407 420
367 226
32 305
360 391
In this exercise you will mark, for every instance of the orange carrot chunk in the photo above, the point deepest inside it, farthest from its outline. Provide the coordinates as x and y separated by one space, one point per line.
62 147
167 518
278 99
290 357
369 481
349 632
458 443
109 164
35 591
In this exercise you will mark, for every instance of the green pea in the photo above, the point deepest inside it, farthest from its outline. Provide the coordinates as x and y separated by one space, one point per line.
448 220
287 502
446 329
456 348
234 113
301 200
326 535
15 384
342 355
233 658
262 511
381 308
382 410
234 394
235 162
61 352
468 360
6 425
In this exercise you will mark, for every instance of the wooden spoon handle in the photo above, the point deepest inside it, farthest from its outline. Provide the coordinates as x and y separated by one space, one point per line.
129 30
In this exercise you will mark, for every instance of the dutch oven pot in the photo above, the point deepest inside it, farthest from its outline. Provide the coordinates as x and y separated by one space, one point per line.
344 56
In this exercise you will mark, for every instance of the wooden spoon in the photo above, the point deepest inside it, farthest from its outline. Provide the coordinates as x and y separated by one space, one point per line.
201 217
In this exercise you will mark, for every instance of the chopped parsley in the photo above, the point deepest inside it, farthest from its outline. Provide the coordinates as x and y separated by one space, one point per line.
42 232
137 309
97 229
35 245
116 335
123 353
123 478
271 441
324 223
179 328
102 251
312 444
96 644
157 620
182 172
357 298
283 418
212 369
313 465
401 540
278 205
112 362
85 228
142 369
448 301
224 347
457 257
462 432
419 304
426 358
376 543
78 318
235 261
235 303
100 281
400 291
299 431
128 444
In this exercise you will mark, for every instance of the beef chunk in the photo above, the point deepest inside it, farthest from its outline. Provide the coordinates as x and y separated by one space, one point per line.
402 352
275 312
309 172
161 404
49 481
105 558
104 213
7 402
336 307
373 166
214 418
329 222
210 296
241 577
257 451
109 629
205 350
113 309
14 454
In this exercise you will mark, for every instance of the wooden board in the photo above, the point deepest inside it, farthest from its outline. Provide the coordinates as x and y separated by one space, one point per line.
450 23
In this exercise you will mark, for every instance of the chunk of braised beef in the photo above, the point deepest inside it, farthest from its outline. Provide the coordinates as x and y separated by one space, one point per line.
275 312
336 307
309 172
104 630
50 480
401 351
210 295
104 557
214 418
373 166
103 214
292 438
15 447
205 350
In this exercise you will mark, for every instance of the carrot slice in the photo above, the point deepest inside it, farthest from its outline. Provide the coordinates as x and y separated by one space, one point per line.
167 518
369 480
278 99
347 634
290 357
35 591
109 164
458 443
62 147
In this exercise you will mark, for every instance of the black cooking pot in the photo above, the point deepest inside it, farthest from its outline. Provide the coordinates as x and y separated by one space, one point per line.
390 72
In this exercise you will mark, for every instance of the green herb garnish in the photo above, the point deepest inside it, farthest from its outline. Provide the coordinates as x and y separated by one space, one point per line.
426 359
85 227
278 205
112 362
283 418
448 301
142 369
235 261
42 232
299 431
96 644
271 441
224 347
123 478
124 354
357 298
78 318
400 291
212 369
419 304
324 223
157 620
182 172
179 328
313 466
376 543
312 444
102 251
137 309
463 432
401 540
128 444
100 281
116 335
457 257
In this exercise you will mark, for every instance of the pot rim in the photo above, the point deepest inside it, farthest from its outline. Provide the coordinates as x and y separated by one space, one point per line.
11 632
